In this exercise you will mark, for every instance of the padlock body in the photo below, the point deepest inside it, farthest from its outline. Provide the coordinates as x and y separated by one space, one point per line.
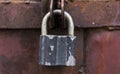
57 50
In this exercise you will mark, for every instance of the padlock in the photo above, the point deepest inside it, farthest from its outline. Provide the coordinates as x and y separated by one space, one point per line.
57 50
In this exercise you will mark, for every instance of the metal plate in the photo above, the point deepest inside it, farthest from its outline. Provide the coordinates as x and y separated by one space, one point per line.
102 51
94 13
85 13
20 15
19 53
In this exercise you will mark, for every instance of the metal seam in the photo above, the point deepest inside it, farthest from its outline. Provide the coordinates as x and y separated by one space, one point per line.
20 2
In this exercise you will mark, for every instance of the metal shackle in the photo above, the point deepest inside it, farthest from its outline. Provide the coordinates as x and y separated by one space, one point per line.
67 16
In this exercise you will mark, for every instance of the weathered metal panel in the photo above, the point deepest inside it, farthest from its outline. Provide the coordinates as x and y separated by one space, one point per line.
19 48
95 13
102 51
17 0
92 13
19 53
84 13
20 15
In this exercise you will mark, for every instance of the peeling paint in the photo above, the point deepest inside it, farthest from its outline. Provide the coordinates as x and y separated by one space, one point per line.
71 60
56 50
51 36
43 48
73 38
47 63
62 36
52 47
69 47
49 53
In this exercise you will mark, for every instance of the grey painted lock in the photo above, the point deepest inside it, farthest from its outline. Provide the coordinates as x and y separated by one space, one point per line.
57 50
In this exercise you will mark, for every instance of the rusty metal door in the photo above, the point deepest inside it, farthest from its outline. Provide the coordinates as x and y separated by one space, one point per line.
97 27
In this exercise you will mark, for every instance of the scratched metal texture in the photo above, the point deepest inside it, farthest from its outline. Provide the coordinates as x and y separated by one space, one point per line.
92 13
29 15
19 47
79 50
19 14
102 51
95 13
19 53
57 50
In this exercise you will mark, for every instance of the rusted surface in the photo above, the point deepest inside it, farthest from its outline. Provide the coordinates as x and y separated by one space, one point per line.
84 13
19 48
18 0
20 15
95 13
19 53
102 51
